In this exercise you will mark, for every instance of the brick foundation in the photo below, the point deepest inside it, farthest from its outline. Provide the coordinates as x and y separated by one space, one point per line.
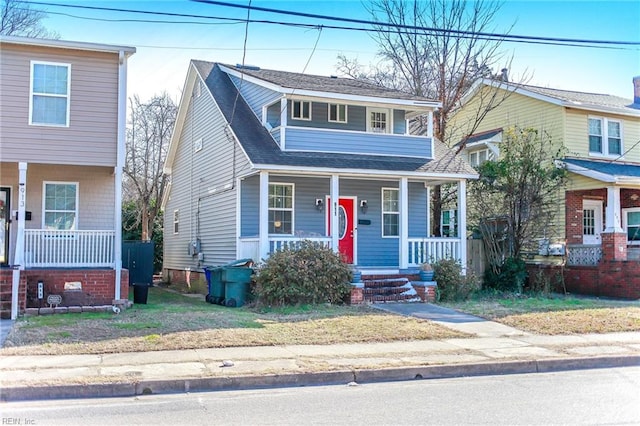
357 294
614 246
6 283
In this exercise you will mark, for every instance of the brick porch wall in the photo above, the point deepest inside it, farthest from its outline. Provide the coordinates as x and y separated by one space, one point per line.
97 286
617 279
574 212
6 282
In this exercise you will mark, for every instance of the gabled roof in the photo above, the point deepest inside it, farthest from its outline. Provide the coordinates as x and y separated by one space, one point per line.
482 137
605 171
263 152
310 85
566 98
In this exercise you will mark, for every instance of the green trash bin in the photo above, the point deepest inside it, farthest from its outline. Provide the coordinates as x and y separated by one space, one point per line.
236 277
215 285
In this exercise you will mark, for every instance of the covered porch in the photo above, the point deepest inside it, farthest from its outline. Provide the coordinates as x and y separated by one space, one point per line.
377 222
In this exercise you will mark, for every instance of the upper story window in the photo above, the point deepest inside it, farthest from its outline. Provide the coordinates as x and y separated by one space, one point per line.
476 158
605 136
448 223
301 110
378 120
50 86
281 208
60 205
337 113
390 212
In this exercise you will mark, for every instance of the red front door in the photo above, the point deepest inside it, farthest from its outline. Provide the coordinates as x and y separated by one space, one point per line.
346 218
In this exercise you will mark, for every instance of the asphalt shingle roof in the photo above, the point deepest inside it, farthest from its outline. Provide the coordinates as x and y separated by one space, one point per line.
585 99
607 167
330 84
263 150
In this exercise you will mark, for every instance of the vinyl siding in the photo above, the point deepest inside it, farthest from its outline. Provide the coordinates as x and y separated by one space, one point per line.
577 135
91 136
203 189
96 194
256 96
320 140
372 249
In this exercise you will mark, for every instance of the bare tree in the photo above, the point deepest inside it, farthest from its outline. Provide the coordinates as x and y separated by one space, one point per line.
434 49
148 135
18 18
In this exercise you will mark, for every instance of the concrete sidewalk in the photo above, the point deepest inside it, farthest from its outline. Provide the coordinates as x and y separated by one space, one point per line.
497 349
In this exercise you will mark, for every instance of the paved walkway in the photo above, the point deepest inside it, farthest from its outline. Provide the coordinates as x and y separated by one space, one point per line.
495 349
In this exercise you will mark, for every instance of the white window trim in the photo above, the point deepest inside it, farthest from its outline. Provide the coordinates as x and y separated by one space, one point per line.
302 102
176 221
625 223
337 120
387 111
477 153
292 209
44 197
605 137
68 95
383 212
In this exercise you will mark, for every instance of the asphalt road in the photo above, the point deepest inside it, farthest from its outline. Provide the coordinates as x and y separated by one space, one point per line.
581 397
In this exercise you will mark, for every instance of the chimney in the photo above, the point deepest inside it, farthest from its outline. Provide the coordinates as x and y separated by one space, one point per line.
636 90
505 75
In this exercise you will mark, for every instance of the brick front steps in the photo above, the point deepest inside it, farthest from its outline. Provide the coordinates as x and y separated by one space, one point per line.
378 290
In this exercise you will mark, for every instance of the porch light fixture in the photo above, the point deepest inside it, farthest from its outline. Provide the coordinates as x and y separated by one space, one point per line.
364 206
319 204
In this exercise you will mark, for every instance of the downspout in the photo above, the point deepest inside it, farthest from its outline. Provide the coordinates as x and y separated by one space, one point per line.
18 259
120 157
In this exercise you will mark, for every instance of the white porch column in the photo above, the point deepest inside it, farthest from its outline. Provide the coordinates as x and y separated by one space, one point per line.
403 243
613 223
462 223
264 215
18 257
334 195
428 211
120 159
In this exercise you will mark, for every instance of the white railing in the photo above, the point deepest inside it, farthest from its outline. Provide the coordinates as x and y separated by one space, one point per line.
249 248
46 248
423 250
584 254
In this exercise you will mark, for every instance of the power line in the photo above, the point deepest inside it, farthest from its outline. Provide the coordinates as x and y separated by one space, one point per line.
600 44
415 27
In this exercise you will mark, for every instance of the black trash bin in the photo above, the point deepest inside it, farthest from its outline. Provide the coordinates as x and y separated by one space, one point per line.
140 293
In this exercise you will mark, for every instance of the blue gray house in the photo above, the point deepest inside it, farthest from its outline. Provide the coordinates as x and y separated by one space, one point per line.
262 159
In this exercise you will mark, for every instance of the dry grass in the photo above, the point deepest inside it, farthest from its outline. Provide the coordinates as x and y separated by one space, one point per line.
557 315
173 321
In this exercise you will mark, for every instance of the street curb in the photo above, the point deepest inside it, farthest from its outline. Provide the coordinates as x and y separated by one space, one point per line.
155 387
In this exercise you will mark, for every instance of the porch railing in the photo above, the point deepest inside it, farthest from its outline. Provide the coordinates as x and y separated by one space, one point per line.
584 254
423 250
46 248
250 247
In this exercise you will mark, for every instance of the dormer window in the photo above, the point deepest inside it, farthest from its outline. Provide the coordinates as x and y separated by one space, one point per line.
301 110
476 158
337 113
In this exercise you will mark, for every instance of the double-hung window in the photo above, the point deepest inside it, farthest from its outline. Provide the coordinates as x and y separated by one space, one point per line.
631 222
448 223
337 113
60 206
281 208
476 158
605 136
378 120
176 221
301 110
390 212
50 86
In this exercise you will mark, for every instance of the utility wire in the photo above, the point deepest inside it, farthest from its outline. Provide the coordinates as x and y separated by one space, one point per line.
461 34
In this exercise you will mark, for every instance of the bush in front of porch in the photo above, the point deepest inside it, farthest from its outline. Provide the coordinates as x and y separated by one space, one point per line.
308 273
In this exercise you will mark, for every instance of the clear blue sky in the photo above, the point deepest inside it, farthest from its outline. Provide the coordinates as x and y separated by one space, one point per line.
164 50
